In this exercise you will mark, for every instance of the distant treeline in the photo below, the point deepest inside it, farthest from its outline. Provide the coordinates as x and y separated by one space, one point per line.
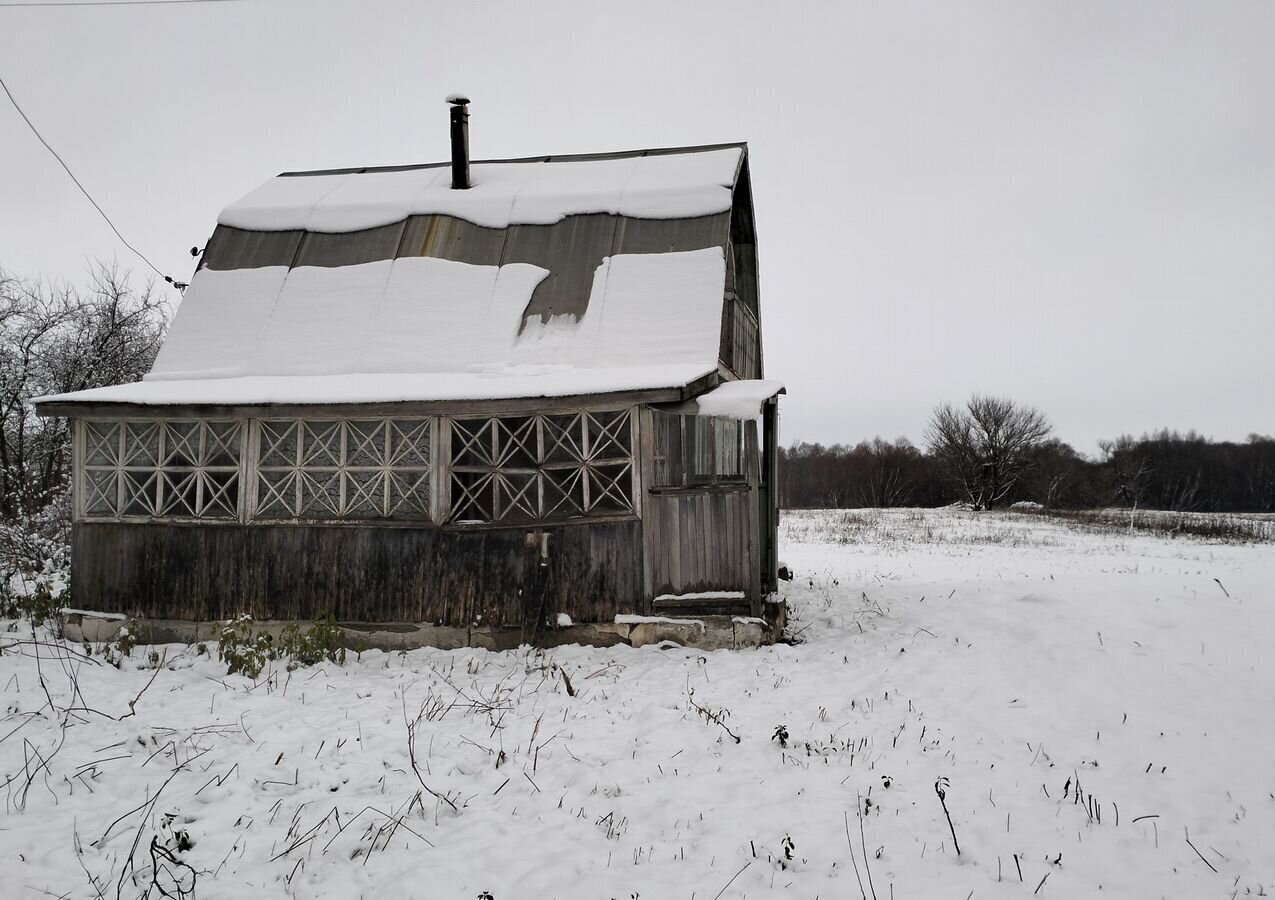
1166 470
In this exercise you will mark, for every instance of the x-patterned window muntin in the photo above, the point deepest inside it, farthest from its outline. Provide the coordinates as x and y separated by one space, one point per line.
171 468
344 468
541 467
494 469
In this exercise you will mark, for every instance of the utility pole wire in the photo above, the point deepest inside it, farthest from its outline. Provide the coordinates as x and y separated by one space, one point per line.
83 190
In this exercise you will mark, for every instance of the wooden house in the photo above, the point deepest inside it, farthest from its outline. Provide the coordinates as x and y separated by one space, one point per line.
494 397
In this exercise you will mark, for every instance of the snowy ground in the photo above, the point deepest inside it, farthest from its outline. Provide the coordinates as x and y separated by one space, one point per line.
1101 706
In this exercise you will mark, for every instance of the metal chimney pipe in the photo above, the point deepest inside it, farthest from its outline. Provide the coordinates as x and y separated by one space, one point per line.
460 141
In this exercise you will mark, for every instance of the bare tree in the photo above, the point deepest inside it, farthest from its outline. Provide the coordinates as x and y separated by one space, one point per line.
987 446
55 338
1130 469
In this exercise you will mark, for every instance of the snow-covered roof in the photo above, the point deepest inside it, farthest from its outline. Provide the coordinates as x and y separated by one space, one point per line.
527 192
430 329
513 288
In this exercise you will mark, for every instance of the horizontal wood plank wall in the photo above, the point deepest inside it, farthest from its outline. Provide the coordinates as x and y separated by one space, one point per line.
367 574
700 540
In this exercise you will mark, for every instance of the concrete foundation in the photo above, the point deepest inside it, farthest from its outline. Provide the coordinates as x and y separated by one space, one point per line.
704 632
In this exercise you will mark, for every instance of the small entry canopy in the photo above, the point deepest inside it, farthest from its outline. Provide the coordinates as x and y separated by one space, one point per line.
742 399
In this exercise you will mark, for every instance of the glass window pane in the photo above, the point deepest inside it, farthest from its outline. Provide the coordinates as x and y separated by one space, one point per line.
563 439
101 443
220 494
320 493
472 442
609 435
610 488
409 494
320 443
364 494
517 496
140 492
181 443
221 444
365 444
279 443
697 434
727 446
100 492
180 492
564 492
473 496
516 437
141 443
409 443
668 448
276 494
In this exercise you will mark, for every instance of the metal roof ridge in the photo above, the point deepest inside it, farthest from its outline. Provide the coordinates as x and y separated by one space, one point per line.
547 158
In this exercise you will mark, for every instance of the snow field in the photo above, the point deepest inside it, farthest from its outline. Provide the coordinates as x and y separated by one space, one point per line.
1015 657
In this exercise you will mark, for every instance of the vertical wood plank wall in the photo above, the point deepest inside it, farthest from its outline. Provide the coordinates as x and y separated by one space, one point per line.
356 573
682 540
701 540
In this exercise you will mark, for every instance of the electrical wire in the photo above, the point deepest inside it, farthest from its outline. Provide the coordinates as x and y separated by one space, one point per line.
83 189
35 3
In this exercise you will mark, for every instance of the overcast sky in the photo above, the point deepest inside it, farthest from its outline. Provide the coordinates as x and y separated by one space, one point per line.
1071 204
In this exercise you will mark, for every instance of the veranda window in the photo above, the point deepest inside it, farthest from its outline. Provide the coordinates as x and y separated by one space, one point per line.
532 468
697 450
490 469
344 468
173 469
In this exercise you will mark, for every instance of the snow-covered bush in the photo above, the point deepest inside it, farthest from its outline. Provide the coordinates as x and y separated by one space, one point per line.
322 640
35 553
245 650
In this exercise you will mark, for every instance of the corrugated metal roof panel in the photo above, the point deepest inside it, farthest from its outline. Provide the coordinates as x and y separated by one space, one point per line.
351 248
447 237
571 250
670 235
234 248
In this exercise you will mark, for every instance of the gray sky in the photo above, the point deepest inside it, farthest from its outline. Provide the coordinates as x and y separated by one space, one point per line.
1072 204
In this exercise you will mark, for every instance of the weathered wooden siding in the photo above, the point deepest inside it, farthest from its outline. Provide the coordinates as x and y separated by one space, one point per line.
702 540
741 339
357 573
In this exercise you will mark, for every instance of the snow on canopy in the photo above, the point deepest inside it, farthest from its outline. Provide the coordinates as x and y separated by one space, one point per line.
540 192
737 399
420 328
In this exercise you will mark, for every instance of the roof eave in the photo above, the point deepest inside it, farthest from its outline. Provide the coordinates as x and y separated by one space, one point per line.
78 409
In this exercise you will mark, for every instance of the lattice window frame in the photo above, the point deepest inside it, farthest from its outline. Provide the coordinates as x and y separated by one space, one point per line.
537 467
178 469
347 468
544 467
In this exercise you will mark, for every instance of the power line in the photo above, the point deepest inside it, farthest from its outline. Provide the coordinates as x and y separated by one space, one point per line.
35 3
83 189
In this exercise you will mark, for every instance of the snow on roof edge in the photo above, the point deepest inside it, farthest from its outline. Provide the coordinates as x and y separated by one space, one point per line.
537 191
322 390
